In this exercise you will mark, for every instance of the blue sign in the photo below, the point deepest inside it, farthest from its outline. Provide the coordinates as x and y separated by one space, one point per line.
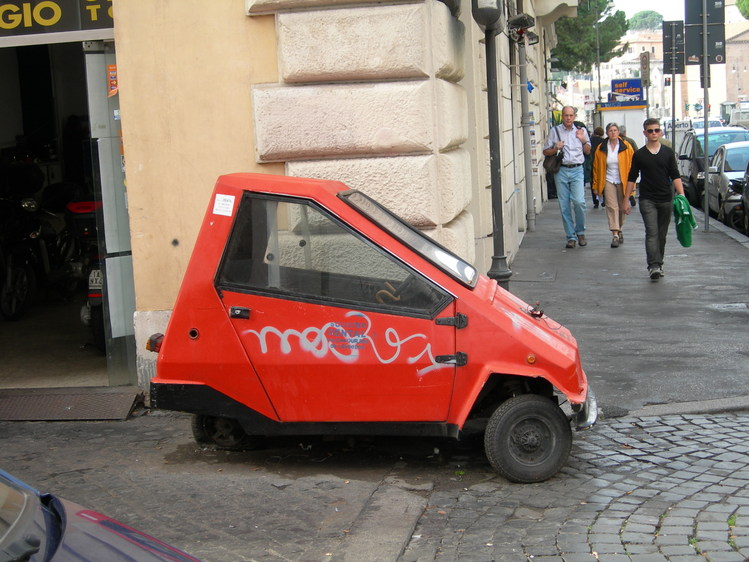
629 89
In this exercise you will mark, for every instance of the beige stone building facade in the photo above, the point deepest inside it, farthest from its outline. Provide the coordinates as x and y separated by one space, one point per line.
389 98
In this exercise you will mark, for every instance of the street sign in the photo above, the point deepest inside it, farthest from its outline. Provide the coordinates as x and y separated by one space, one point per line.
715 12
716 44
673 47
645 68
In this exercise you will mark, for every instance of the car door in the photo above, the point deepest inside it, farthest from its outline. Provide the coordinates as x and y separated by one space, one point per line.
336 327
715 178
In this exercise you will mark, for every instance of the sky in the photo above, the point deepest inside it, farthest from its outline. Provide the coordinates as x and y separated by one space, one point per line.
671 10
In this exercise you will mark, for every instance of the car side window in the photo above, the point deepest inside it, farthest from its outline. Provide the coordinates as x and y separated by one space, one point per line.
293 249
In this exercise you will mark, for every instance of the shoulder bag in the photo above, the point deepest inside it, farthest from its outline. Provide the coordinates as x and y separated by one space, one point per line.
554 162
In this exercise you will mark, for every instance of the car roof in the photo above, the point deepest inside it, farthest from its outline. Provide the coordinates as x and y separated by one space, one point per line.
701 131
737 144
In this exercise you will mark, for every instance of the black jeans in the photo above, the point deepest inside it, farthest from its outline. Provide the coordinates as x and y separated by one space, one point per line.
657 218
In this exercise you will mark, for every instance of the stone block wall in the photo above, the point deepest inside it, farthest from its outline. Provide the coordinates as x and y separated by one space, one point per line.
369 95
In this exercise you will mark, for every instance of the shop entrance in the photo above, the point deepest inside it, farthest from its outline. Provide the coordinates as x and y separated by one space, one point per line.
60 143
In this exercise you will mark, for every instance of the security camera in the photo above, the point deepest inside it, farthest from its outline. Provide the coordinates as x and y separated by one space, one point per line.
521 21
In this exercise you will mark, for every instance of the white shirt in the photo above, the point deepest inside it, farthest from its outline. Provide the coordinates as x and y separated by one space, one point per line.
612 163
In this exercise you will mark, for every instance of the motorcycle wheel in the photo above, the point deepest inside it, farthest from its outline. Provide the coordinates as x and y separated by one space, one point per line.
17 291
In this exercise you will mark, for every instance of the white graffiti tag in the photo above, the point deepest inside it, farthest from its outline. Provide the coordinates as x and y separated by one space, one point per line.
345 340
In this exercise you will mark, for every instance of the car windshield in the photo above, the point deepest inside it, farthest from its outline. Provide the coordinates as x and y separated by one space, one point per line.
448 262
716 139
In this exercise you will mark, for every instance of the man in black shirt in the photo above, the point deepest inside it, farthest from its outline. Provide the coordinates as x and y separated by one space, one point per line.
659 176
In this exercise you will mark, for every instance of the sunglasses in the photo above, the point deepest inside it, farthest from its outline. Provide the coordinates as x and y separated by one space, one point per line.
652 130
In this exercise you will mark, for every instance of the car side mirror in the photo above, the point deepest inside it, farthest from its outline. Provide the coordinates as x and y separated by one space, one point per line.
713 170
737 186
684 157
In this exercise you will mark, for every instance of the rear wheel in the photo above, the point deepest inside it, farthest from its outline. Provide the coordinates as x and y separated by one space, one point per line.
528 438
222 433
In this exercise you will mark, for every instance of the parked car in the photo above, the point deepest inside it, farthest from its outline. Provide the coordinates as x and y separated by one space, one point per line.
691 160
711 122
742 187
37 527
309 308
727 166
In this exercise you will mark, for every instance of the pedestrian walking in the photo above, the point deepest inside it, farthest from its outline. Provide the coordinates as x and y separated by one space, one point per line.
633 144
611 163
574 143
595 139
659 176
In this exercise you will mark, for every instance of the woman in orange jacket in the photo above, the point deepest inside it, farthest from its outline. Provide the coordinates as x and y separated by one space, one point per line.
611 163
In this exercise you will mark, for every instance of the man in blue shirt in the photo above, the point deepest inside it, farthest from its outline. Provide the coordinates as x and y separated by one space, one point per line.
570 179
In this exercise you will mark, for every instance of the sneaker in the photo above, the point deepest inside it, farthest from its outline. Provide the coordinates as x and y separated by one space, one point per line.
615 241
581 240
570 244
660 272
621 238
654 273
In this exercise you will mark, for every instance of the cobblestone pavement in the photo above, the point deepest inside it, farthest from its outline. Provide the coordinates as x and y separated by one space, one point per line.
672 488
657 488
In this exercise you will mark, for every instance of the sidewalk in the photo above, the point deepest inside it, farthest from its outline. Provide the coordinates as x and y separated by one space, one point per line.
643 343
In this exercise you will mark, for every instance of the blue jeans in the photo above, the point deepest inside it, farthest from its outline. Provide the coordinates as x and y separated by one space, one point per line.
657 218
571 195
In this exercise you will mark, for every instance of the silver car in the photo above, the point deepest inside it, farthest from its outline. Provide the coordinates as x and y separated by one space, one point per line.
728 165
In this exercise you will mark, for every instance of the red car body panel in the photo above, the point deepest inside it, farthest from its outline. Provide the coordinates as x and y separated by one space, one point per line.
296 361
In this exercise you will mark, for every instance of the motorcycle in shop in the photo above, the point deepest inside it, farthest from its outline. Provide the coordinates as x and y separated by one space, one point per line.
39 250
81 219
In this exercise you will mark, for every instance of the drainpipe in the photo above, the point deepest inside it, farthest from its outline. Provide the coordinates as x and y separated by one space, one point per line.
530 200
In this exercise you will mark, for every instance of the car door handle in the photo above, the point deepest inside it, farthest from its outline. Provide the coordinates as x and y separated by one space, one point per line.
240 312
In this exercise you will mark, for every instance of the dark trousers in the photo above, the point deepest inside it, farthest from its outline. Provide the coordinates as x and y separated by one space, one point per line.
657 218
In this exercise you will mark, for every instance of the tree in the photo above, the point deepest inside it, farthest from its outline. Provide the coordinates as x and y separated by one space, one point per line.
576 37
648 19
743 6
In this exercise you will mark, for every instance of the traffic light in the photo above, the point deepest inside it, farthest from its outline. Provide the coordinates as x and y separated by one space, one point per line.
668 80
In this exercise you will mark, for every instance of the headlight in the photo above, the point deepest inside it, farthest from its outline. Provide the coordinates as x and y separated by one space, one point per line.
29 205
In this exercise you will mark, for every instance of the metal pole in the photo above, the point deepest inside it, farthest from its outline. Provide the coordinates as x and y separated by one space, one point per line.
499 270
673 87
598 54
525 124
705 81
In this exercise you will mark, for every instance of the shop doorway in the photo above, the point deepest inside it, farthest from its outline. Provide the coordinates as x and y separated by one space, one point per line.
61 122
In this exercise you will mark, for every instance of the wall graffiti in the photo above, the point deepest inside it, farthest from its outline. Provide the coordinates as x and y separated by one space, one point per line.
346 340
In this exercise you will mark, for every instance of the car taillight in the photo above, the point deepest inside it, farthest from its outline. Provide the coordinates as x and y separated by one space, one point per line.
154 342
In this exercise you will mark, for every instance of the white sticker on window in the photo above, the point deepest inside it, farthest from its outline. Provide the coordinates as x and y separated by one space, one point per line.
223 205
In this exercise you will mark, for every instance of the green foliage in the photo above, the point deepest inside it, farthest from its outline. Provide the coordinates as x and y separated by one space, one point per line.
576 46
743 6
648 20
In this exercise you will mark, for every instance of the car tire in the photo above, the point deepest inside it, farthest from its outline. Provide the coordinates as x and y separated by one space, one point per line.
734 219
528 439
222 433
745 214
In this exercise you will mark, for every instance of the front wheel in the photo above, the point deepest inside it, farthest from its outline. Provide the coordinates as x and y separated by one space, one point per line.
222 433
528 439
18 287
734 219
